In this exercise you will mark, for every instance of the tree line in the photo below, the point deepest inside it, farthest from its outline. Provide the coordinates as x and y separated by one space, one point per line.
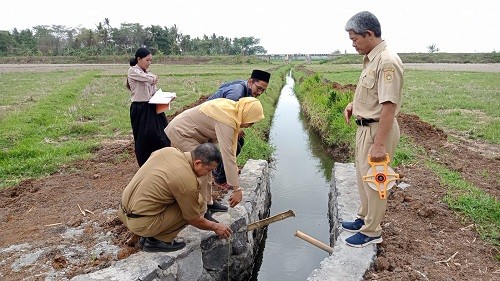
58 40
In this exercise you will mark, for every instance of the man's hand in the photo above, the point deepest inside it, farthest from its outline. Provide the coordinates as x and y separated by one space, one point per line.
222 230
348 113
377 153
235 197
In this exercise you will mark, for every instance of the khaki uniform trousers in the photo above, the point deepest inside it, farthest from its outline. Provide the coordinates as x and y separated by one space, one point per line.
164 226
372 208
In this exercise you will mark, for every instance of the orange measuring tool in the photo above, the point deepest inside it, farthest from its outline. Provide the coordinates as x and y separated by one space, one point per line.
380 176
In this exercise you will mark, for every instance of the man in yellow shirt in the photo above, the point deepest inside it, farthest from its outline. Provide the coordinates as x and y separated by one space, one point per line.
164 196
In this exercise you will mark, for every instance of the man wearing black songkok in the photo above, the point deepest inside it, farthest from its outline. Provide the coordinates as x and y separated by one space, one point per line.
234 90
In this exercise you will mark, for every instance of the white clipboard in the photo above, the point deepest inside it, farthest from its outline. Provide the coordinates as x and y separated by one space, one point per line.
161 97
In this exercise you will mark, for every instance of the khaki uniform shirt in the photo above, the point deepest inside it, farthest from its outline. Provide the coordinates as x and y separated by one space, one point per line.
194 124
141 84
380 81
166 178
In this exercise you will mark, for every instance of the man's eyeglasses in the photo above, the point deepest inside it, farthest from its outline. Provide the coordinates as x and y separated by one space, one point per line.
259 88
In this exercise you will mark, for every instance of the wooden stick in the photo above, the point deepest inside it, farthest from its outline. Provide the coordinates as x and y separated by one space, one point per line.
53 224
447 260
89 211
314 241
467 227
83 213
270 220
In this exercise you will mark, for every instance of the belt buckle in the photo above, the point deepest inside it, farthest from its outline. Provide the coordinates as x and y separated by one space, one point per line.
359 122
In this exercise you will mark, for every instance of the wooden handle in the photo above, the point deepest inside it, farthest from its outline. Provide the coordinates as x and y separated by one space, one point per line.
314 241
271 219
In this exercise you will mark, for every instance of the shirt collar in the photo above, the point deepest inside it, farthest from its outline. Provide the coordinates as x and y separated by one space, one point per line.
189 158
375 51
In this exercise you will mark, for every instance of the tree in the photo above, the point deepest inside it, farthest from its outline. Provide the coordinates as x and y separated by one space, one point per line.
129 37
248 46
186 44
26 43
175 36
432 48
59 40
60 33
47 42
6 42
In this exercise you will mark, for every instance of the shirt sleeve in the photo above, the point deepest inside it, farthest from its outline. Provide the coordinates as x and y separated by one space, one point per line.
390 83
141 76
235 92
188 197
225 135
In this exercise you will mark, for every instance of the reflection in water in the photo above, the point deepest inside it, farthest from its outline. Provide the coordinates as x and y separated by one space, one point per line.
300 180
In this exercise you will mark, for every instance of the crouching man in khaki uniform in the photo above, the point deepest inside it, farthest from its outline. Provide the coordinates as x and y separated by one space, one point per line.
164 196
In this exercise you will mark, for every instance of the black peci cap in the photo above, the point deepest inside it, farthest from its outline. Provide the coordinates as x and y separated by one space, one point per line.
261 75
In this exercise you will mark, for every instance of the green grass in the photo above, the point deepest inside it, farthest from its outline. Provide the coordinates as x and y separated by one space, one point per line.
22 91
50 119
493 57
480 207
464 102
324 107
37 139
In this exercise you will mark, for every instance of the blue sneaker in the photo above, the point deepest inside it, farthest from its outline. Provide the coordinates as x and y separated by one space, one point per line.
353 226
360 240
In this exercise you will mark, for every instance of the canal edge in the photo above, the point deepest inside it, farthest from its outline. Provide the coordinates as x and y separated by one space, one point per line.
345 263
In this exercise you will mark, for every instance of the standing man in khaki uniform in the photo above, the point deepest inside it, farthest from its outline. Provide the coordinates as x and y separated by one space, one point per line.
164 196
377 101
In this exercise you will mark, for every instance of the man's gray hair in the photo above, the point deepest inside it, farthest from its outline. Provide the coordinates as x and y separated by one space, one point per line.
207 153
361 22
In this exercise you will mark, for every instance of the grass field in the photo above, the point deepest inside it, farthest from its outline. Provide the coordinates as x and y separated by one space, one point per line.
463 101
51 117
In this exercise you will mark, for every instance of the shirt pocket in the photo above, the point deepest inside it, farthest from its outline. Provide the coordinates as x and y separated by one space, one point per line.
367 83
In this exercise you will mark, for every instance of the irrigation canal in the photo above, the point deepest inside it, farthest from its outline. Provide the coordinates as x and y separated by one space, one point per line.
300 180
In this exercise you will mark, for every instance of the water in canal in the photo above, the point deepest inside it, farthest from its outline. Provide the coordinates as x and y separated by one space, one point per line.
300 180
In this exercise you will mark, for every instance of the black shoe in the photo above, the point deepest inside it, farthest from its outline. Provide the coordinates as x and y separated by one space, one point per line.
141 241
154 245
216 207
209 217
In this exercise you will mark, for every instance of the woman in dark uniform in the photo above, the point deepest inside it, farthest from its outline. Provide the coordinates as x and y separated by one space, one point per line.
147 124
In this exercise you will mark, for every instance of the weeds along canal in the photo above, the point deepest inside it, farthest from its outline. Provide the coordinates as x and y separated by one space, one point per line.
300 181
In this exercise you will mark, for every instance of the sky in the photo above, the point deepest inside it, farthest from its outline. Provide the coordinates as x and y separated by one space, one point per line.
283 27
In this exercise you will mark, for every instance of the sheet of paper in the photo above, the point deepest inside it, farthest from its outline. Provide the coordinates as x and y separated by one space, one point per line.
161 97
